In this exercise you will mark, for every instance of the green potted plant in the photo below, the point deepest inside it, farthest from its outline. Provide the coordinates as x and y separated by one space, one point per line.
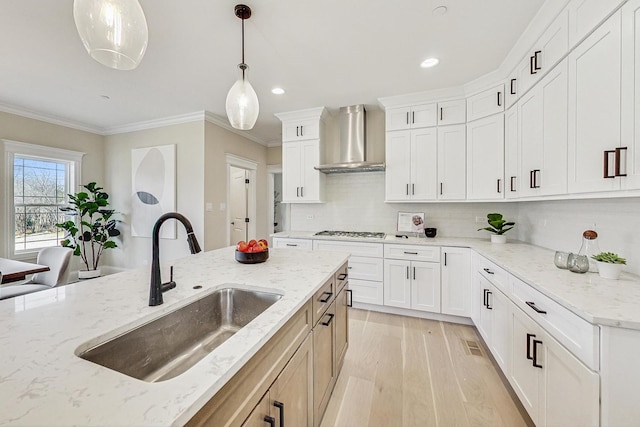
609 265
90 232
498 226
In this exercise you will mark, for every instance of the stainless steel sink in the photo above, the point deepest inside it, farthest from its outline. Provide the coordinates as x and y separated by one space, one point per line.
170 345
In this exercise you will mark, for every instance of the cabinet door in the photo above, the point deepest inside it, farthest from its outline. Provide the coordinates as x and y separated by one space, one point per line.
530 115
631 95
291 172
423 161
511 89
310 157
300 130
397 118
397 283
452 153
398 161
501 329
425 286
485 103
512 175
594 107
486 309
260 415
571 390
524 377
324 369
553 43
342 327
585 15
423 116
452 112
291 395
485 158
456 281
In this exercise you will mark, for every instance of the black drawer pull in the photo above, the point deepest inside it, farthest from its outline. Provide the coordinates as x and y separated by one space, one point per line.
270 420
328 322
533 306
327 298
535 353
529 336
342 276
280 406
485 297
488 271
350 295
410 253
488 306
291 244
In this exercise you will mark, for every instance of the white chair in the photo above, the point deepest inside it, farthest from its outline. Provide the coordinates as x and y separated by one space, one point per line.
57 259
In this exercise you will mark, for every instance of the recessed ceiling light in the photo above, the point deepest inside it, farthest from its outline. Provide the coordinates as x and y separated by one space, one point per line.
277 91
440 10
429 62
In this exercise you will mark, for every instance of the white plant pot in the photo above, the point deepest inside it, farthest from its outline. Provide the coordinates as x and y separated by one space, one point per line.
88 274
498 238
607 270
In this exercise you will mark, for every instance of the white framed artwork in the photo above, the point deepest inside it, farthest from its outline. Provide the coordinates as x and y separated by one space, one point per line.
153 175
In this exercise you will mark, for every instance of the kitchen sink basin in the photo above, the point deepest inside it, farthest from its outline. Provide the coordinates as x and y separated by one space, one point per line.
168 346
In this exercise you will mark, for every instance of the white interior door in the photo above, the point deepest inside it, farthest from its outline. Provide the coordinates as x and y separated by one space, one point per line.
238 195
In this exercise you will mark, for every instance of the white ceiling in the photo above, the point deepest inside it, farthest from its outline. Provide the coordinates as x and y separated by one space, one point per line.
323 53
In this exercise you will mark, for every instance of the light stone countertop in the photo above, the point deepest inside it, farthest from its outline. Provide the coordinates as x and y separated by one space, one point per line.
596 300
42 382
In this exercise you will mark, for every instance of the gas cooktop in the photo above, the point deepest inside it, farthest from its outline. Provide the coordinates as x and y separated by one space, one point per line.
353 234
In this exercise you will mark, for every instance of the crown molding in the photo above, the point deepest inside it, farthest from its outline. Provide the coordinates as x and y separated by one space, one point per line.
156 123
48 118
224 123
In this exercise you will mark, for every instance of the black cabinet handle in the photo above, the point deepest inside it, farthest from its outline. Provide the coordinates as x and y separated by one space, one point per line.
513 186
488 271
413 189
327 298
328 322
535 353
606 163
414 273
413 117
407 189
407 272
297 191
445 259
440 188
410 253
407 117
488 306
350 293
440 113
280 406
291 244
301 191
270 420
529 336
535 60
533 306
498 185
619 151
531 69
535 178
342 276
499 99
301 130
485 298
512 89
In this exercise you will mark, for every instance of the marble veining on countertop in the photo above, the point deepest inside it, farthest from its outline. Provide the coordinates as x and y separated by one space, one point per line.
596 300
43 382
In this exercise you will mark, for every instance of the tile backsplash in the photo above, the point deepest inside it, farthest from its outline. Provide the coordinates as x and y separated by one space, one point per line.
356 203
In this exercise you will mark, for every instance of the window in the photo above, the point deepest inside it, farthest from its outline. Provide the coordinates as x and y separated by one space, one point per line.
40 179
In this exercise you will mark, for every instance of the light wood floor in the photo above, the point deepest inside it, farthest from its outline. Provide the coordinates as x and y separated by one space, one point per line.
404 371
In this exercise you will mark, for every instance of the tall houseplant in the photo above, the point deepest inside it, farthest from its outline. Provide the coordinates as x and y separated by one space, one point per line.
498 226
90 232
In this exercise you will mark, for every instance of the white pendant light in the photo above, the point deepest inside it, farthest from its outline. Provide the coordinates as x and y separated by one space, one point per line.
242 102
114 32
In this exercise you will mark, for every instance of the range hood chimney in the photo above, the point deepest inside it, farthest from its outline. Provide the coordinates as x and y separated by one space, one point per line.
353 144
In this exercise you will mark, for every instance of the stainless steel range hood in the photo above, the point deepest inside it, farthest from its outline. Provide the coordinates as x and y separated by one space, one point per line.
353 144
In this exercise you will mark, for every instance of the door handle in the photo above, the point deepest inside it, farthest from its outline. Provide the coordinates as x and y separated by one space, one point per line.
607 153
512 186
499 100
529 336
350 293
535 60
498 185
535 353
440 113
445 259
327 298
535 308
297 130
328 322
270 420
342 276
617 161
488 271
488 306
536 172
512 89
280 406
414 273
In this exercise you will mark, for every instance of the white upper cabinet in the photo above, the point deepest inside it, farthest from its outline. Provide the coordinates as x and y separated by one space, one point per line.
629 152
452 112
585 15
511 154
485 158
298 130
411 157
542 115
594 110
417 116
486 103
452 162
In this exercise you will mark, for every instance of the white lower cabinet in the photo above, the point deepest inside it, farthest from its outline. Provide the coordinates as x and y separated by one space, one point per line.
412 284
285 242
555 388
456 281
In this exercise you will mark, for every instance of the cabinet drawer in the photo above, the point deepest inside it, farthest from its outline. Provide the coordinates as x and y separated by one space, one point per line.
485 103
364 268
366 291
284 242
323 298
341 277
354 248
496 275
575 333
413 252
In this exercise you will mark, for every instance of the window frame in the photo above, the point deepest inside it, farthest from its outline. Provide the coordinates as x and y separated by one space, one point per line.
15 148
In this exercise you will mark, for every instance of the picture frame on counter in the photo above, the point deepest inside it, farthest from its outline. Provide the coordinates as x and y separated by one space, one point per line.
411 222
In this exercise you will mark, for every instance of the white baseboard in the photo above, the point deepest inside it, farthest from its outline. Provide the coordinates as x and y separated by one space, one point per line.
414 313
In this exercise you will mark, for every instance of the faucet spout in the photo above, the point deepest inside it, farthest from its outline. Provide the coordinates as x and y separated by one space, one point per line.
156 285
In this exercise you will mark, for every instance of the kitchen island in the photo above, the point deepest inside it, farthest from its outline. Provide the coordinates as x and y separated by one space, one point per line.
44 382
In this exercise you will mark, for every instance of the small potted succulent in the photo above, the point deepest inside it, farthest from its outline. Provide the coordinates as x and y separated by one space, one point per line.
498 226
609 265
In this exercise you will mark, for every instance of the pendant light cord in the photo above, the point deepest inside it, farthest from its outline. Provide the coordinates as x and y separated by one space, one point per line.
244 65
